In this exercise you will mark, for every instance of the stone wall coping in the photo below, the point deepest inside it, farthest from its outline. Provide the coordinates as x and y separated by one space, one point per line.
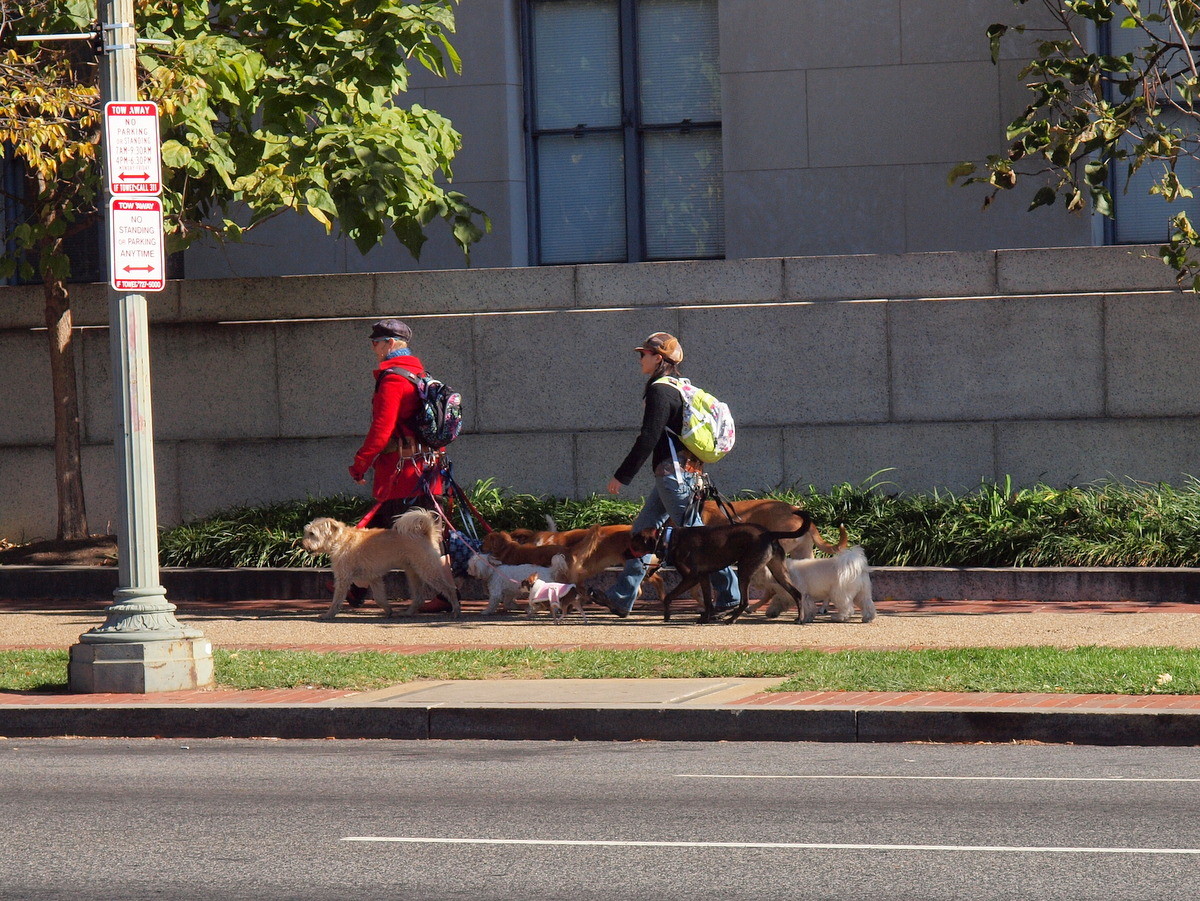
936 274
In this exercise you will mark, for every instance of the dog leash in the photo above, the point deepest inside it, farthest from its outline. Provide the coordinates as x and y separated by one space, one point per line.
706 489
662 550
431 457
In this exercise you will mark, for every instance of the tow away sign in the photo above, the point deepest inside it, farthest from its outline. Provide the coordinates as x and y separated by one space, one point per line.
135 259
132 151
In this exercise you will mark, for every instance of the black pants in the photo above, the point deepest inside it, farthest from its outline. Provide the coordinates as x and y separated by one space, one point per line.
390 509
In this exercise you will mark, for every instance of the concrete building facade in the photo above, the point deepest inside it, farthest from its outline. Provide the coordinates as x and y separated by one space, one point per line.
840 120
1060 366
862 315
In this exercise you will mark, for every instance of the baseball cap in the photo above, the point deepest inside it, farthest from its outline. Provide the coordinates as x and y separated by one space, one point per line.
666 346
391 328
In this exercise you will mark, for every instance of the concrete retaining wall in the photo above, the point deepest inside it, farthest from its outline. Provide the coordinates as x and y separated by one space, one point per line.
1058 365
1151 584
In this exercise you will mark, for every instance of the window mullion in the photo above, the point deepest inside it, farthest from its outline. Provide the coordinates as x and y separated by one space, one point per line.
635 235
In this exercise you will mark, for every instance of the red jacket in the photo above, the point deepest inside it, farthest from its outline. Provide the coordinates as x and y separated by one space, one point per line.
392 408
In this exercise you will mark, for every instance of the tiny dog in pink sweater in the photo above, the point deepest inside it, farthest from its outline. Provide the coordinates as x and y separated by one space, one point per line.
557 597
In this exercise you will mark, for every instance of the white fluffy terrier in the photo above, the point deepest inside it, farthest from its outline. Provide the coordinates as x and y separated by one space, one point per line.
365 556
844 580
504 579
559 597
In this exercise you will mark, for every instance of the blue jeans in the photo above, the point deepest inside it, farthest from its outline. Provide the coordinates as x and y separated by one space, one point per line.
669 500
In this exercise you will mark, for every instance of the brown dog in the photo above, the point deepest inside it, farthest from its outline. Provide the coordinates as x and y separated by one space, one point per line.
699 551
778 516
506 549
611 548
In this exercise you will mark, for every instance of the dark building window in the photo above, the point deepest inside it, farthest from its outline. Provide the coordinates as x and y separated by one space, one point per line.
1140 217
84 247
624 116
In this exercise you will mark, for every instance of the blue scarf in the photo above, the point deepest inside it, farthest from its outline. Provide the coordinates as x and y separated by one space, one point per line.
399 352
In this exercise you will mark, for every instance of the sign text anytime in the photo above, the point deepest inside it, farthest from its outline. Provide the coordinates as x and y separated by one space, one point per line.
136 258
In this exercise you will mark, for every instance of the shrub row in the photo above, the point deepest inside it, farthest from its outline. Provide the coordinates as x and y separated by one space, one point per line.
1100 524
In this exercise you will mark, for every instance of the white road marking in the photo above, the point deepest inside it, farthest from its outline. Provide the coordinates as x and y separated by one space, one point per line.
937 778
776 846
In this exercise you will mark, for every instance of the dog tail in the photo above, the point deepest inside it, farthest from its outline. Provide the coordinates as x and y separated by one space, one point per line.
418 523
560 569
808 524
580 553
822 545
851 565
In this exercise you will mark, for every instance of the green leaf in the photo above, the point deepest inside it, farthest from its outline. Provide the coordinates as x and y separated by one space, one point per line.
995 32
175 155
962 170
1045 196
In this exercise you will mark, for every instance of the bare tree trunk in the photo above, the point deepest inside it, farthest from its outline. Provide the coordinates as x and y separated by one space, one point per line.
68 464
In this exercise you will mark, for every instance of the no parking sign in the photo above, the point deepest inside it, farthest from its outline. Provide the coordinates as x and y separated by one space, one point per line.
136 258
135 224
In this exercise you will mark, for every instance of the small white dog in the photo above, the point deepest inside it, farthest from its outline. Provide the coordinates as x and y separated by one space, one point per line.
412 544
843 580
504 579
559 597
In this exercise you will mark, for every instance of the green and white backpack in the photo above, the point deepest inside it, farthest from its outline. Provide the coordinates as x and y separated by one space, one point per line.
707 423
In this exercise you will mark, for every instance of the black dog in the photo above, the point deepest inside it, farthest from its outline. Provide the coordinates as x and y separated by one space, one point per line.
699 551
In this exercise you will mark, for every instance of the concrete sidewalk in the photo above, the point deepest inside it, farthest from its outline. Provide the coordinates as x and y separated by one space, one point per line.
624 709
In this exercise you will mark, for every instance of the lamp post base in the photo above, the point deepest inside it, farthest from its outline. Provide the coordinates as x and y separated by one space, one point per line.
140 667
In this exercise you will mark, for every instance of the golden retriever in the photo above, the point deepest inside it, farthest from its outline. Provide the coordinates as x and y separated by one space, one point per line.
578 555
412 544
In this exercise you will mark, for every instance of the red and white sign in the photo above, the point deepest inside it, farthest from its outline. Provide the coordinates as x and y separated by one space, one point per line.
132 150
136 257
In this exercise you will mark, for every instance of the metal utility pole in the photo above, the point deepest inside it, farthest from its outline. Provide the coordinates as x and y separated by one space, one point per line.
141 646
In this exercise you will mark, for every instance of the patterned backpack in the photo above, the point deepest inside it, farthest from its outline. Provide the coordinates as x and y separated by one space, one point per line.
707 423
439 415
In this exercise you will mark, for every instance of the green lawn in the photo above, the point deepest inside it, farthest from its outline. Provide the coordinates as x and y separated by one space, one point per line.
1088 670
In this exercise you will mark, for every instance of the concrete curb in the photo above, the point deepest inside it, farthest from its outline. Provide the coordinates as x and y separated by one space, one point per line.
539 723
1170 584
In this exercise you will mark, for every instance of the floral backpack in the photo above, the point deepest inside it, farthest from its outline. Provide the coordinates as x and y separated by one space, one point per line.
439 416
707 423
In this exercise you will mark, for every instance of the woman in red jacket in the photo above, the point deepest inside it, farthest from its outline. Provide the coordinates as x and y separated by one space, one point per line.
406 472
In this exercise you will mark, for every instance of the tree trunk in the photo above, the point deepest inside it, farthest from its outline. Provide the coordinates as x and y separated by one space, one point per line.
68 464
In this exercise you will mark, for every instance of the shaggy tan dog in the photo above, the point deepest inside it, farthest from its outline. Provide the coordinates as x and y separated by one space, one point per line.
412 544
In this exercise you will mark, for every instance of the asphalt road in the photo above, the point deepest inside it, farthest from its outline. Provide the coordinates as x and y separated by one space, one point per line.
439 820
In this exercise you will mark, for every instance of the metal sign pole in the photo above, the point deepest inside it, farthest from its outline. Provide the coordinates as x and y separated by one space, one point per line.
141 646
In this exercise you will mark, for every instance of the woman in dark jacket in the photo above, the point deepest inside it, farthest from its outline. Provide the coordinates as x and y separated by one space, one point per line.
675 471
